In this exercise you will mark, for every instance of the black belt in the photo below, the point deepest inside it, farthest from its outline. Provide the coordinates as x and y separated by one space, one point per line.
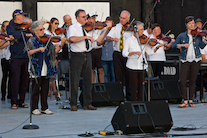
85 52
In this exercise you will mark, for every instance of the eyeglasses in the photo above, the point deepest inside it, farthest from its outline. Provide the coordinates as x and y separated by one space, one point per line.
56 23
41 29
82 16
122 18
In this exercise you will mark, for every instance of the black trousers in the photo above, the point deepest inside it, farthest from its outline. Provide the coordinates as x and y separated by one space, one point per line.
81 62
188 69
6 69
121 72
40 89
19 80
157 67
135 83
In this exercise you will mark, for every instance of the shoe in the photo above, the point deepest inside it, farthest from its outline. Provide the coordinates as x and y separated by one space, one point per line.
89 107
191 105
183 105
23 105
47 111
36 112
3 98
73 108
14 106
56 93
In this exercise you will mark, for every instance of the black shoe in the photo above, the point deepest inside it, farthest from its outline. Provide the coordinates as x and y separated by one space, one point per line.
3 98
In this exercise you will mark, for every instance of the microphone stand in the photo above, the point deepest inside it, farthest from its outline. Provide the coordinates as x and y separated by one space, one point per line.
144 63
30 126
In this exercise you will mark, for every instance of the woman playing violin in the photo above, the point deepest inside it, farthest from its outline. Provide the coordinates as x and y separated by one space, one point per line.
43 60
132 50
190 59
5 61
158 58
53 25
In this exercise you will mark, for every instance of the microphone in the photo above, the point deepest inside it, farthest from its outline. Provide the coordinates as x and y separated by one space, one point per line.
20 28
135 27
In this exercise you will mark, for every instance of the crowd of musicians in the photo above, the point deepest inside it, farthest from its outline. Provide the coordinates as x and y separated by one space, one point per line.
117 52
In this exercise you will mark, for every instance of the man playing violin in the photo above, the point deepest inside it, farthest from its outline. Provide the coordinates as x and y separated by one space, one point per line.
43 59
81 59
19 61
96 52
118 35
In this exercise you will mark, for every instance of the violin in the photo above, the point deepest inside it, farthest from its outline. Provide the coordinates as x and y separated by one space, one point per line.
164 38
4 36
54 39
97 25
25 26
127 27
151 41
60 31
45 39
198 32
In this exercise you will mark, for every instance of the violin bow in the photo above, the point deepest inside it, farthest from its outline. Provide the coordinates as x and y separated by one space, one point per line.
49 39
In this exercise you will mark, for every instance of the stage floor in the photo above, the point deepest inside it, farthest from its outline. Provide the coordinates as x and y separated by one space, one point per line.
66 124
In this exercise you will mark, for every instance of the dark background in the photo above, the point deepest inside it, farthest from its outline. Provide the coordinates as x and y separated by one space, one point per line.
170 14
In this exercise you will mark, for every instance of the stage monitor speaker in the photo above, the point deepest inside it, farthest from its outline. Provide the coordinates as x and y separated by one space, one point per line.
165 90
142 117
106 94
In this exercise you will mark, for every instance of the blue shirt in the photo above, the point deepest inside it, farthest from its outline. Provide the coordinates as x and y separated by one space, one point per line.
37 58
184 39
17 48
107 50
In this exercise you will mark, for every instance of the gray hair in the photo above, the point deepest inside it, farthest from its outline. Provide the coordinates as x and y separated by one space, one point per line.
35 25
129 14
65 16
138 23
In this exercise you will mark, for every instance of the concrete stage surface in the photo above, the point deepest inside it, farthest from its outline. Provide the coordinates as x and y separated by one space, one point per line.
66 124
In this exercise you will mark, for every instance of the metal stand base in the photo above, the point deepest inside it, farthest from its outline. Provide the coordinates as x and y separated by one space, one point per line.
30 127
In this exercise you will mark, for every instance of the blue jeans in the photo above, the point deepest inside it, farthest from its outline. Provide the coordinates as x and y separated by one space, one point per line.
108 67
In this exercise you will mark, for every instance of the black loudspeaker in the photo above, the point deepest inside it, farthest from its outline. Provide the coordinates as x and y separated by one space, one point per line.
142 117
105 94
165 90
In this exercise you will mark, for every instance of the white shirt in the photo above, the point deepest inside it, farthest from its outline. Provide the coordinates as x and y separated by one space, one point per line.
146 33
115 32
94 34
47 32
159 55
190 57
5 53
134 62
76 30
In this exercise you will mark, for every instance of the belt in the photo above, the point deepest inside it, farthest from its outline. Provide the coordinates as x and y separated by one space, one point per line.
97 49
85 52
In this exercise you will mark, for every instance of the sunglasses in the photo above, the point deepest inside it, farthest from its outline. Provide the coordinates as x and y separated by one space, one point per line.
189 17
82 16
41 29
